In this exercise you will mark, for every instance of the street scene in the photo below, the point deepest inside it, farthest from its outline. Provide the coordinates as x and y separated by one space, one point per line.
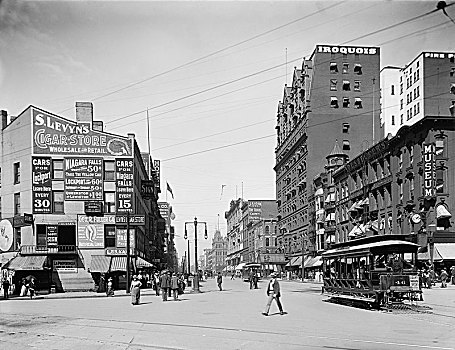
230 319
227 174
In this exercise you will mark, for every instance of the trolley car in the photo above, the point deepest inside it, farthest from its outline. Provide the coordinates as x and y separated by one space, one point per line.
375 271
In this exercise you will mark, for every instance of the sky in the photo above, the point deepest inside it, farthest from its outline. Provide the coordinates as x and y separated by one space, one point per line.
210 74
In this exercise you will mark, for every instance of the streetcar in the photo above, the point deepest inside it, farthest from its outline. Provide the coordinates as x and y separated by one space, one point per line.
375 271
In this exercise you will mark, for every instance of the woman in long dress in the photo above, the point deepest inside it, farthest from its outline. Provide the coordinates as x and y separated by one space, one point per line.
135 290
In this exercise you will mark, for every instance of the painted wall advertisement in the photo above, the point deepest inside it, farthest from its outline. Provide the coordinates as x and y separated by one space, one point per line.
254 210
120 237
83 179
52 236
90 230
56 135
41 185
67 265
124 182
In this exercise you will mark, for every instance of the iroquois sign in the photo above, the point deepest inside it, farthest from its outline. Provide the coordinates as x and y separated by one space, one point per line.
56 135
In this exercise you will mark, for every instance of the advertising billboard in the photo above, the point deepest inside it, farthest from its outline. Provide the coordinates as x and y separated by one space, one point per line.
56 135
42 185
6 235
83 179
124 181
254 210
120 237
90 230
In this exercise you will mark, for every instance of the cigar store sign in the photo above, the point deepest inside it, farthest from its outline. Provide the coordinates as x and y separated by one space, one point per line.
55 135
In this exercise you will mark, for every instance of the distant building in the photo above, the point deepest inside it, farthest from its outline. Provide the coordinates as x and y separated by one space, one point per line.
424 87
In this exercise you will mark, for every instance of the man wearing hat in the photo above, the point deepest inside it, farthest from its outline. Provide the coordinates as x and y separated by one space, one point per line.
273 292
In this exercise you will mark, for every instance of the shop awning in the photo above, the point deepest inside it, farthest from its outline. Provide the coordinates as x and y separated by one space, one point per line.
141 263
314 262
26 263
446 250
442 212
240 266
118 263
424 255
357 230
100 263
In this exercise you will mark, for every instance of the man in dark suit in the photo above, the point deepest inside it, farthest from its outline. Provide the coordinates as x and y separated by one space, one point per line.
165 284
273 292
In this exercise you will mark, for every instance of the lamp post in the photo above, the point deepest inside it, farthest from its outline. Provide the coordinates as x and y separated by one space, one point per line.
303 252
196 275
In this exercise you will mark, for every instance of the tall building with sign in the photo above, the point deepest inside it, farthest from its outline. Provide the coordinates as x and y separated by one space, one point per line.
83 187
333 96
425 86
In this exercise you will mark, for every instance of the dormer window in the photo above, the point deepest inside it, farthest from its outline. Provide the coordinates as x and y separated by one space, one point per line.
333 102
358 103
358 69
333 67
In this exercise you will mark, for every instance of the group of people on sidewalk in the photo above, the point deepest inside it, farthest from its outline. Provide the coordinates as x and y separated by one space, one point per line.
166 282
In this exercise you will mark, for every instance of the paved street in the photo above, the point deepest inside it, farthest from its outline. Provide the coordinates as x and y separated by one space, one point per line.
223 320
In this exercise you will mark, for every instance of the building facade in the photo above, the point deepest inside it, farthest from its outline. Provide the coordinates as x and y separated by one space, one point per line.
425 86
334 96
79 186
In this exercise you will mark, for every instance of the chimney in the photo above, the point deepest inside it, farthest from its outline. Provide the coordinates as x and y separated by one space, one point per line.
131 136
4 118
84 112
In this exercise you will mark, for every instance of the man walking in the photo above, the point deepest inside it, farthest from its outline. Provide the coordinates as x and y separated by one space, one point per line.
452 274
219 280
165 284
5 286
273 292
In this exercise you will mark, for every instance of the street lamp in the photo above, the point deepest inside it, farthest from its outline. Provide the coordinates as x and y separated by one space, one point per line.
196 275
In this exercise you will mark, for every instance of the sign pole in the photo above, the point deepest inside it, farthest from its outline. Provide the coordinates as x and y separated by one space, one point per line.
196 275
127 252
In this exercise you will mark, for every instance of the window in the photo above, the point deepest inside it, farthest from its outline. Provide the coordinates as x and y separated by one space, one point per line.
358 103
401 119
356 85
109 202
418 108
346 102
109 170
345 128
346 85
439 180
358 69
333 102
392 90
415 93
57 169
267 230
17 173
267 242
418 91
393 120
333 67
41 236
58 201
109 236
401 104
17 204
333 84
401 88
411 154
346 145
345 68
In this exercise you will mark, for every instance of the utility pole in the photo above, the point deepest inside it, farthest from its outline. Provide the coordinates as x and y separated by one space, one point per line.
303 251
128 257
196 274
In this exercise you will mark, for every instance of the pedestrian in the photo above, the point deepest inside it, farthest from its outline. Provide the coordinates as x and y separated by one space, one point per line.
175 285
251 278
452 274
182 284
31 288
164 284
156 278
169 290
110 287
135 290
24 289
5 286
273 292
443 275
255 280
233 276
219 281
140 279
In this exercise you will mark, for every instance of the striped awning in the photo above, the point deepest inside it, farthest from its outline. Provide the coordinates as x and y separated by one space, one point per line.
118 263
141 263
26 263
100 263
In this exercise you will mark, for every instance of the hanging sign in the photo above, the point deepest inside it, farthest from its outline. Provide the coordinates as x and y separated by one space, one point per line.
124 181
429 171
52 236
